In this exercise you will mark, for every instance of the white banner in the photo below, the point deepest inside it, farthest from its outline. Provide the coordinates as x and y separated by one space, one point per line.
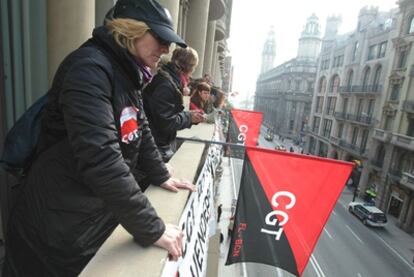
195 222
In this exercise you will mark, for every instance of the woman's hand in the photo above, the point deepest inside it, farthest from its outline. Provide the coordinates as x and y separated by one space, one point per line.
197 117
173 184
172 241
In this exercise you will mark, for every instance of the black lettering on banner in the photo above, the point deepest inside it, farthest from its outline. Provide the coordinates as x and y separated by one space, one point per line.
188 227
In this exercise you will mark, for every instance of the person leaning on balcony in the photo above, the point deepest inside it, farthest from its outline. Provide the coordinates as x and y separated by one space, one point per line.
163 101
200 97
94 131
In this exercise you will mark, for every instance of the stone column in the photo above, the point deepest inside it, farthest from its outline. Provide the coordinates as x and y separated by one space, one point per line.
173 6
197 30
209 51
408 225
70 23
101 9
404 211
363 181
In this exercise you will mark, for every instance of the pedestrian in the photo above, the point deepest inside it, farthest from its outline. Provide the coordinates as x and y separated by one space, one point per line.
94 131
219 211
230 227
163 101
291 149
200 98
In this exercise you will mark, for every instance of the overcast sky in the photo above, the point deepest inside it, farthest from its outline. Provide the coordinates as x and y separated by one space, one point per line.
251 21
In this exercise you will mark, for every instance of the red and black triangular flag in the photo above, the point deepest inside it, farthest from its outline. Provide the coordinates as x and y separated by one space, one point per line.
244 129
284 202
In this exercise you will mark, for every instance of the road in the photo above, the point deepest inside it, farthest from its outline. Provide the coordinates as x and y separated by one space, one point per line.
345 248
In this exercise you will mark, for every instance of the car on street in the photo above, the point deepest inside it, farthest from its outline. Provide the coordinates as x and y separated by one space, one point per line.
369 214
269 137
280 147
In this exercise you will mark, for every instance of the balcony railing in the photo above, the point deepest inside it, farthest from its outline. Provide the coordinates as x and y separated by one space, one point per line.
408 106
407 180
406 142
340 115
395 174
352 147
384 136
361 89
368 120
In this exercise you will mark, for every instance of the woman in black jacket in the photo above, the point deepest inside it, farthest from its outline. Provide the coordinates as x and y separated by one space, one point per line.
163 101
94 132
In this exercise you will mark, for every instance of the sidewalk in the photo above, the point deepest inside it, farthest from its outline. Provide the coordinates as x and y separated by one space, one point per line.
225 196
399 241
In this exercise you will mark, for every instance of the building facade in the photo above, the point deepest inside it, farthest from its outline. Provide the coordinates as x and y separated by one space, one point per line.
284 93
362 110
37 35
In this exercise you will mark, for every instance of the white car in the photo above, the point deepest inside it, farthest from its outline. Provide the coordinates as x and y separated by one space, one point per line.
369 214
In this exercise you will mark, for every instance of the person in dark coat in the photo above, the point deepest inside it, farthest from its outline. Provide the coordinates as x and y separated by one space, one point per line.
163 101
94 132
199 99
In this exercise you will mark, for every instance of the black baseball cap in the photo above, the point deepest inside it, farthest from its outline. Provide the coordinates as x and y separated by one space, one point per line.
153 14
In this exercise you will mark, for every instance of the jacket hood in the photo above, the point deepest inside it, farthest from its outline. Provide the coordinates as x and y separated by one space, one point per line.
102 37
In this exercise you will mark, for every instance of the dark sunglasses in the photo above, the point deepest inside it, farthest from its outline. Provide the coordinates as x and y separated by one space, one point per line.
159 39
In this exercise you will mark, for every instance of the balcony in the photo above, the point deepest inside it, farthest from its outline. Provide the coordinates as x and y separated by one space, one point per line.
407 180
403 141
395 174
372 89
340 115
377 164
334 140
382 135
352 148
408 106
120 255
364 119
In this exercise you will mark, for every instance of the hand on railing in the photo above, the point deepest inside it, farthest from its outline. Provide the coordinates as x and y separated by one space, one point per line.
172 241
173 184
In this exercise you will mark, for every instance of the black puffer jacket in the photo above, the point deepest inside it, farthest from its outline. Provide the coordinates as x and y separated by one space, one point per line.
94 131
163 103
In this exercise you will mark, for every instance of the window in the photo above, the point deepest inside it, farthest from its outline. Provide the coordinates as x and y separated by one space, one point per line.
388 123
335 84
338 61
380 155
297 85
316 123
377 75
411 29
325 64
355 51
319 104
395 92
349 82
402 59
370 109
345 105
330 108
382 49
322 85
327 126
340 130
410 129
289 84
310 86
354 135
291 124
372 50
364 139
360 106
366 78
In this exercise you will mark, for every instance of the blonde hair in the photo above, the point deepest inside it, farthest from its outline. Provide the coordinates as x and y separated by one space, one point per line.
125 31
186 59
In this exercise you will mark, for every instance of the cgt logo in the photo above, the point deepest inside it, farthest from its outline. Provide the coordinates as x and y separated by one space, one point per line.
129 124
271 218
241 138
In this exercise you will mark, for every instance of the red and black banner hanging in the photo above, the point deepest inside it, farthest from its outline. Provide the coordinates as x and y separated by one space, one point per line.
244 129
284 202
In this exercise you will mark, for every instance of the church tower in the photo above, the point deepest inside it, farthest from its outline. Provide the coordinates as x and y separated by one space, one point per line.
269 52
310 40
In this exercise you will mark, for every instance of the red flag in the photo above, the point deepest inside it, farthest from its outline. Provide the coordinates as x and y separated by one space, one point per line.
248 123
284 202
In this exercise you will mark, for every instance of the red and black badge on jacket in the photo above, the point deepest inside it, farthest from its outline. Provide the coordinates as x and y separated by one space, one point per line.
284 202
